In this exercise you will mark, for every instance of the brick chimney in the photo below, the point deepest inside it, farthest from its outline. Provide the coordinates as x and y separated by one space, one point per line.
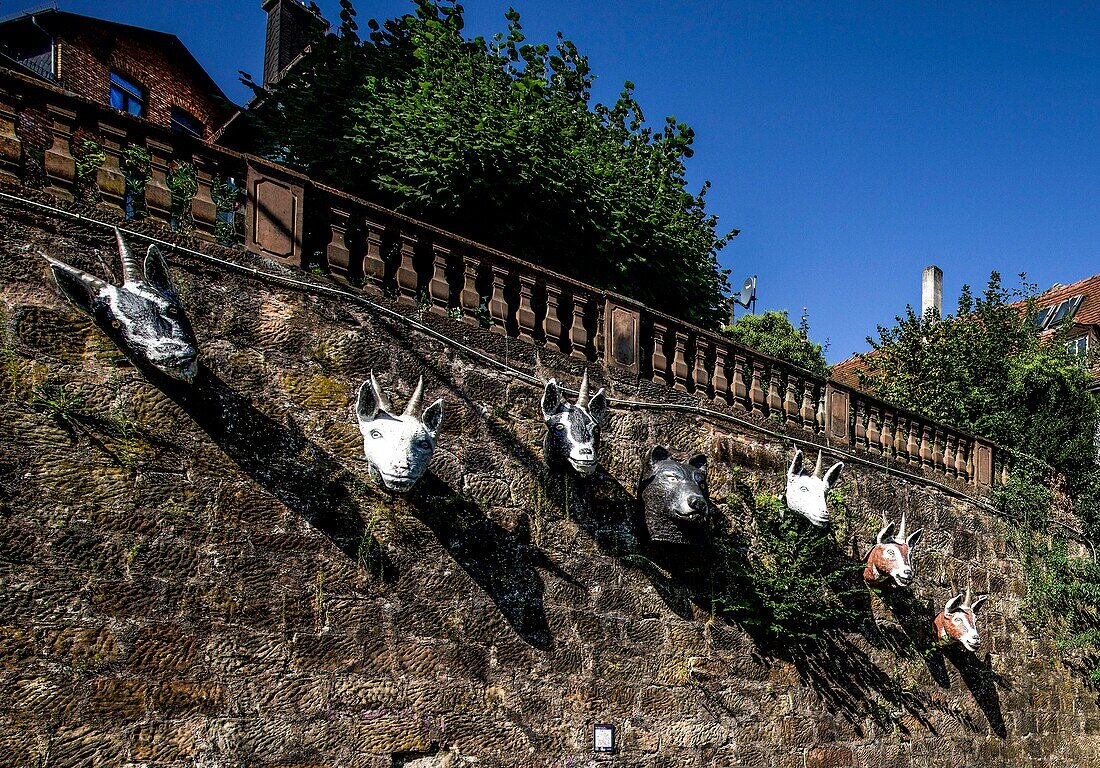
291 26
931 291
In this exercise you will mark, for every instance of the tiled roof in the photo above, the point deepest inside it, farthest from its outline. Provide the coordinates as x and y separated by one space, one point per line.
847 371
1089 311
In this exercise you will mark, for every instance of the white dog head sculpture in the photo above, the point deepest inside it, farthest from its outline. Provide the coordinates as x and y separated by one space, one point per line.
806 492
398 448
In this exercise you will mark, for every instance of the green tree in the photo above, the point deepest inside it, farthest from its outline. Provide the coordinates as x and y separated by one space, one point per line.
773 334
985 370
495 139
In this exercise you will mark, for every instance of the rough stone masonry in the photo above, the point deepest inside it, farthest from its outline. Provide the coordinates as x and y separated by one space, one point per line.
206 575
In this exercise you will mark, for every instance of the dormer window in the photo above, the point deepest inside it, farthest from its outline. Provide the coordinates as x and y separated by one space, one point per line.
126 95
1079 346
185 122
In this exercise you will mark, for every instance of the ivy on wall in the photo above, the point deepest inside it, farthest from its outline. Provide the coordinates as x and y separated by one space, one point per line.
137 169
183 183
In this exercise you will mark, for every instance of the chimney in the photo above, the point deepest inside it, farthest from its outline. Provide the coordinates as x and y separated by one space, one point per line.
291 26
931 291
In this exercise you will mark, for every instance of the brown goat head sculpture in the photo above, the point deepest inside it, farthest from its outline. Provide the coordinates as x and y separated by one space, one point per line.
891 557
957 622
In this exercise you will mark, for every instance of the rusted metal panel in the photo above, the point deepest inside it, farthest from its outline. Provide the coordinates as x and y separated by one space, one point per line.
273 224
622 335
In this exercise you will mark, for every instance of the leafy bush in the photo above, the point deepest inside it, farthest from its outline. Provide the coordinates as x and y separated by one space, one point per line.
495 139
784 580
773 334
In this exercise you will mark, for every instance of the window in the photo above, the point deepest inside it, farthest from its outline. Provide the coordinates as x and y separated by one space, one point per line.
1078 347
127 96
185 122
1051 316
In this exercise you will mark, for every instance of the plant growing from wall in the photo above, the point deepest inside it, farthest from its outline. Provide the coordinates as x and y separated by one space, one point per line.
90 157
183 183
225 195
136 165
782 579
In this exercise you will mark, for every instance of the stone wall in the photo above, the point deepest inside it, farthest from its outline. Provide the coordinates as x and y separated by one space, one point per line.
205 576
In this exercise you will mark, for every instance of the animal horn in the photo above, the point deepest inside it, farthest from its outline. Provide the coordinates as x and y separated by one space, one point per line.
582 395
414 401
817 467
379 395
131 267
966 600
901 529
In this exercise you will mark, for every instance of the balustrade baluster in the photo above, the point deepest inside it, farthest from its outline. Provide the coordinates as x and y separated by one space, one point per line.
821 409
809 419
886 439
552 322
498 307
756 391
873 433
925 452
337 251
937 450
912 445
525 312
578 333
109 178
58 160
962 459
439 289
790 404
11 146
949 456
859 430
204 212
373 265
719 382
901 452
158 197
775 394
407 279
700 376
659 359
679 361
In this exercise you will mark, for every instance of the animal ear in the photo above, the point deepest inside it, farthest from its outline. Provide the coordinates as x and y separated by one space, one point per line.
978 603
658 453
433 417
156 270
914 537
366 404
796 464
597 406
551 399
78 286
699 462
886 534
833 474
953 604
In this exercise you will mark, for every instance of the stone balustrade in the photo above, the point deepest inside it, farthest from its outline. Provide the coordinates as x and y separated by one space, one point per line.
297 222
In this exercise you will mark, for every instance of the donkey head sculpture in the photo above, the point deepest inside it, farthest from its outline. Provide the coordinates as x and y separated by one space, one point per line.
673 497
891 557
957 623
398 448
806 492
572 431
143 316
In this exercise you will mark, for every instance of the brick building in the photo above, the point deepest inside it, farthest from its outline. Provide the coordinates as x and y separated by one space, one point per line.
141 71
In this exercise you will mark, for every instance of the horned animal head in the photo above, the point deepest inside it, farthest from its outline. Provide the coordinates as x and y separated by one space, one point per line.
806 492
891 557
398 448
572 431
143 316
673 497
957 623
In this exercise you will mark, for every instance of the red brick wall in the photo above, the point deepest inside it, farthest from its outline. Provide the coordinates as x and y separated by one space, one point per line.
88 56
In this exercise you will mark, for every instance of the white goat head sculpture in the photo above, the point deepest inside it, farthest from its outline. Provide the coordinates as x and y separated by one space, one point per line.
957 623
398 448
572 431
143 316
806 492
891 557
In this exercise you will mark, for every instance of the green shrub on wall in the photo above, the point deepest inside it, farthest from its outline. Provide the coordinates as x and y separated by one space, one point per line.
90 157
183 183
137 169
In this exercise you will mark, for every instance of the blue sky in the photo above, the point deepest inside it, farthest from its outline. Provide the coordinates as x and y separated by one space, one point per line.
852 143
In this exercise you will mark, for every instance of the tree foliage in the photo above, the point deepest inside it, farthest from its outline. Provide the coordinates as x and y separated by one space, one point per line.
985 370
495 139
773 334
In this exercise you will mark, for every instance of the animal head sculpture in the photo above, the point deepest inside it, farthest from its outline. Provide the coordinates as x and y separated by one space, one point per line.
673 497
572 431
806 492
957 623
398 448
143 316
891 557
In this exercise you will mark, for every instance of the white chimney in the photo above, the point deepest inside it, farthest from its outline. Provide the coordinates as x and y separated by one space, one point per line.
931 291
